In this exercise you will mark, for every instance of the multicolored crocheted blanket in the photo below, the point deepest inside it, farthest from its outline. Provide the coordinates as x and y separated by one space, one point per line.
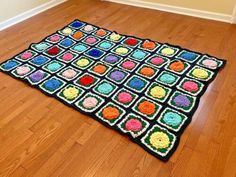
146 90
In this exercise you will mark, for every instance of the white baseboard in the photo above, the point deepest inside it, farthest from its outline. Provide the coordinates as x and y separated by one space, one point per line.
25 15
178 10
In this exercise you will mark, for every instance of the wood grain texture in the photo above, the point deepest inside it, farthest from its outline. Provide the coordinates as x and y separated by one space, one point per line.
41 137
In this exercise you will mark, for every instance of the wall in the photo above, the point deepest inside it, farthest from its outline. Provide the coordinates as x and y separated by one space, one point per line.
218 6
11 8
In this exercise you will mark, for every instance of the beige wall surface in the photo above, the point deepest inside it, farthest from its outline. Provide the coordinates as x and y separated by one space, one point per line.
218 6
11 8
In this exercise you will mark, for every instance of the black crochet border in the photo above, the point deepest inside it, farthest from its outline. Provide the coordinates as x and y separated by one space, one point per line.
138 139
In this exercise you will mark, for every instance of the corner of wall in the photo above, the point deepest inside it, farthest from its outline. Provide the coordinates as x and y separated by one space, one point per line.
233 19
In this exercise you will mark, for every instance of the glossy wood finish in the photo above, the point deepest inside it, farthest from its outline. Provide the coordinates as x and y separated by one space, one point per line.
41 137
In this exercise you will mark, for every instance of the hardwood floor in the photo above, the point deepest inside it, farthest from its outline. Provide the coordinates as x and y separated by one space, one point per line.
41 137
